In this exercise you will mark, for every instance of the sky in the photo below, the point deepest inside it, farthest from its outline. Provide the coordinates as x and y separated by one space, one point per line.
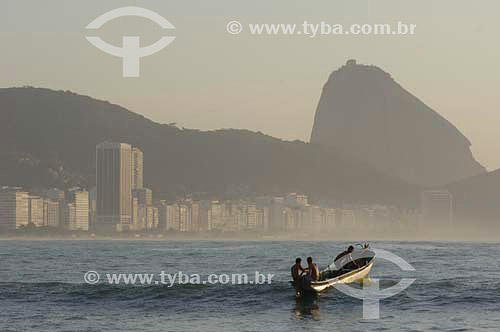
208 78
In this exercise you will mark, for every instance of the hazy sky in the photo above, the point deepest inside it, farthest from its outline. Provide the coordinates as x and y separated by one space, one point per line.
208 78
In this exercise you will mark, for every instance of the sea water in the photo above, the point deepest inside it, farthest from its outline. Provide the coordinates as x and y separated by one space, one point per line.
42 287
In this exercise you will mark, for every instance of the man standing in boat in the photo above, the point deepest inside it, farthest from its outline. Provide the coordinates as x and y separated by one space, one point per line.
345 261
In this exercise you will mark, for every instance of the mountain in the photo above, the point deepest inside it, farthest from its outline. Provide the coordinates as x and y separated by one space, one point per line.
48 138
364 113
477 200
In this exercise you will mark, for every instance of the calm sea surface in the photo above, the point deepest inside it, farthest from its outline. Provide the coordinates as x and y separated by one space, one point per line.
42 288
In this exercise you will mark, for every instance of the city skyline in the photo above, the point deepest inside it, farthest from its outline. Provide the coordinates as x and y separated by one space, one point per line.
77 209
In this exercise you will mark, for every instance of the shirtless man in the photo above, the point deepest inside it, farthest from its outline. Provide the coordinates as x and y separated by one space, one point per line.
297 271
312 269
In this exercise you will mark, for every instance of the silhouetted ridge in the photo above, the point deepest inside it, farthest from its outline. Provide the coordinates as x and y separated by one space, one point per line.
48 138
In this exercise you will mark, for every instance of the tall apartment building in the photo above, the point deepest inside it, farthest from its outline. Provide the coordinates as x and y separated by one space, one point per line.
232 217
114 186
51 213
68 216
149 217
262 215
316 216
277 222
215 220
143 197
58 196
80 201
173 217
156 218
141 222
35 211
92 207
14 205
195 216
290 218
251 216
203 216
136 225
184 218
329 218
241 221
137 168
162 215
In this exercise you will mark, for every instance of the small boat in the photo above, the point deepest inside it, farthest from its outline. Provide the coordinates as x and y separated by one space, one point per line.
331 278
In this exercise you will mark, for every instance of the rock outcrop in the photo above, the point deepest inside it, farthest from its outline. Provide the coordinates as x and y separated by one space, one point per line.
364 113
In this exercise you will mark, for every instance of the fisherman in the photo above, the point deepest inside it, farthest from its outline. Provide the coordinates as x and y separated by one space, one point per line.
344 260
297 272
312 270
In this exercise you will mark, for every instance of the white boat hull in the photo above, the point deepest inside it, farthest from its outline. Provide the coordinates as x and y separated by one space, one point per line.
347 278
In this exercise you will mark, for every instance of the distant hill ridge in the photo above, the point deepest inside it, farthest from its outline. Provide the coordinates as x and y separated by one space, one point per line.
48 138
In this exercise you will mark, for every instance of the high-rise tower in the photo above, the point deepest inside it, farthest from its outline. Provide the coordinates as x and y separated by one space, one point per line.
114 186
137 168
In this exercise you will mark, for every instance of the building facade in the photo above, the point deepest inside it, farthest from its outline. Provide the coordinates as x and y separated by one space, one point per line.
14 206
51 213
114 186
80 200
137 168
35 211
